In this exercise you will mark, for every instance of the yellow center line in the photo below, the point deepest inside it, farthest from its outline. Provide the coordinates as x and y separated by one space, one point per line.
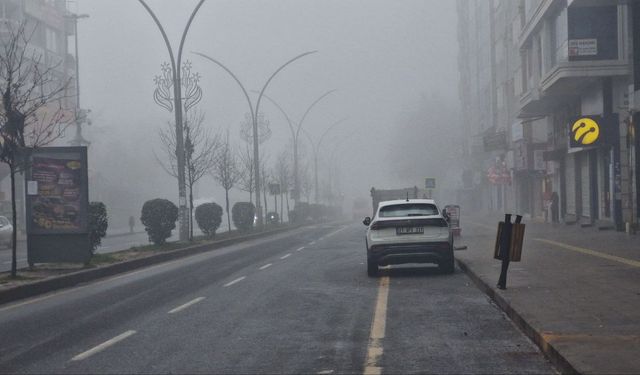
378 326
628 262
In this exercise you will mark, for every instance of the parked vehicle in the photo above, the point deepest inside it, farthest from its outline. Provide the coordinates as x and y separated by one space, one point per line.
408 231
6 232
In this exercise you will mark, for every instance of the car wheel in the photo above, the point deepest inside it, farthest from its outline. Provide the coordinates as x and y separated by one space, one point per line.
372 268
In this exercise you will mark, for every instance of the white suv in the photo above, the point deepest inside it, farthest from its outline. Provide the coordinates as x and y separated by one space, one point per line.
408 231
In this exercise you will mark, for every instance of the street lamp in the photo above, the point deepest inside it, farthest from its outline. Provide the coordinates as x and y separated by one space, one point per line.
254 111
176 65
295 134
316 147
80 114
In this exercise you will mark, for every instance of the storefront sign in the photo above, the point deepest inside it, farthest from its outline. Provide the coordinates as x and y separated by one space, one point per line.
585 131
495 141
583 47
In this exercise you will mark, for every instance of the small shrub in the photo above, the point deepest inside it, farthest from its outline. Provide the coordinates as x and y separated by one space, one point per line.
300 213
209 217
98 223
242 214
159 219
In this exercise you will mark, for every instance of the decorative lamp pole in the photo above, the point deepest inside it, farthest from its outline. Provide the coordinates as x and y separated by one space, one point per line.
316 148
176 80
81 115
295 135
254 111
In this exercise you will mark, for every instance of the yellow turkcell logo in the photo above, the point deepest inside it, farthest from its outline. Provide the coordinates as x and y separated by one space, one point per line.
585 131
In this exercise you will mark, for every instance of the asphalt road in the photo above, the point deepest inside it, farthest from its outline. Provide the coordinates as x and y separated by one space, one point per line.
298 302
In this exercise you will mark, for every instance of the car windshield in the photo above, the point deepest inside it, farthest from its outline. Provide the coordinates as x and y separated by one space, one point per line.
409 209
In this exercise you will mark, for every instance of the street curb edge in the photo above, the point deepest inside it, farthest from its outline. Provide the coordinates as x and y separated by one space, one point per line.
557 359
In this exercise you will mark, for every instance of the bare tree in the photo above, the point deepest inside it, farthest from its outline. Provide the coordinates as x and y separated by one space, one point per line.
225 170
265 176
306 183
246 166
283 176
200 147
32 113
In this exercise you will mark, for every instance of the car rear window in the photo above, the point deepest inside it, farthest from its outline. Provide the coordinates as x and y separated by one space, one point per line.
408 209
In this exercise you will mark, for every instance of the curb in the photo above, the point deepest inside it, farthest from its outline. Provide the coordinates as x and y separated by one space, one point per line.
557 359
75 278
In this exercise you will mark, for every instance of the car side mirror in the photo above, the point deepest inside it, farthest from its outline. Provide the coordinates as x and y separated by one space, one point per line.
366 221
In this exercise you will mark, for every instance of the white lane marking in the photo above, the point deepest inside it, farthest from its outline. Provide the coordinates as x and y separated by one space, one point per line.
182 307
378 326
285 256
312 243
300 249
265 266
102 346
235 281
335 232
325 372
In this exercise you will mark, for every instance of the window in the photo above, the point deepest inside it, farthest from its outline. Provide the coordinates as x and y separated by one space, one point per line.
593 33
51 40
403 210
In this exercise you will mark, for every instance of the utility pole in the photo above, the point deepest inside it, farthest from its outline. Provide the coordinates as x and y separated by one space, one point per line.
80 114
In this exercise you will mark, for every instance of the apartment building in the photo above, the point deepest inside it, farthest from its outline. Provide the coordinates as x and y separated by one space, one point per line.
557 64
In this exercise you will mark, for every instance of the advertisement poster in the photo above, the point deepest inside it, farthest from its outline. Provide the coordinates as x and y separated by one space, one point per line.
58 199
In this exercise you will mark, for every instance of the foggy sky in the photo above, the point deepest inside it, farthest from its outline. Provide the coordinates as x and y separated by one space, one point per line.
381 56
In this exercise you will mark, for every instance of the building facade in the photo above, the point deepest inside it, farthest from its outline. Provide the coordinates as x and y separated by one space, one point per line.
556 66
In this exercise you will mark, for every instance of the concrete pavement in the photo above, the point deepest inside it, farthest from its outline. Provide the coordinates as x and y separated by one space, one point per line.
576 292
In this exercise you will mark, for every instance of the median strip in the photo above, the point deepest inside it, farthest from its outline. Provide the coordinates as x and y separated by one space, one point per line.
235 281
103 346
182 307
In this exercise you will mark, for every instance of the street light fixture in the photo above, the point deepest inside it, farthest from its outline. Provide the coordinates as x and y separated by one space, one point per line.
254 111
295 135
176 64
316 147
80 114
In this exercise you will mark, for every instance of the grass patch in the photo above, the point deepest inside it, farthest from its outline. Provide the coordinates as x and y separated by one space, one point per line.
6 279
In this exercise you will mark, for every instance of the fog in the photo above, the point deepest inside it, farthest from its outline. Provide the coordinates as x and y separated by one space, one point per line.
392 64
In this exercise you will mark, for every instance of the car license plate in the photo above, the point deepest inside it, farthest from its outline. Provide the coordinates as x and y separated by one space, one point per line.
410 230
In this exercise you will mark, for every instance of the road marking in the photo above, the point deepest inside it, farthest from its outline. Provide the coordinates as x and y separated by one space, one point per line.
378 326
265 266
182 307
235 281
325 372
628 262
312 243
103 346
285 256
335 232
300 249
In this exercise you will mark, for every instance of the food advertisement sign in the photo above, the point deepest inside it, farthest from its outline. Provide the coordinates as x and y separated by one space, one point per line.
57 195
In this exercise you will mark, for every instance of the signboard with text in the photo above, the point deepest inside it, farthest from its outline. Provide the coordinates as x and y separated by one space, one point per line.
57 203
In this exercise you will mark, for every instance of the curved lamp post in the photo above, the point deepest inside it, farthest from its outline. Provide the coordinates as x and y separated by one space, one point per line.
254 118
295 135
177 99
316 147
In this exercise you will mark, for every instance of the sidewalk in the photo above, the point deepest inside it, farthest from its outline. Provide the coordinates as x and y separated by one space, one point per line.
576 292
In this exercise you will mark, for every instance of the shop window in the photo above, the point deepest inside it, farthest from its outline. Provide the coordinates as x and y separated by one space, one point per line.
593 33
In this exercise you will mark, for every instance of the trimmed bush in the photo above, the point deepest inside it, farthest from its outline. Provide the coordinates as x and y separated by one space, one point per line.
209 217
300 213
159 219
98 223
242 215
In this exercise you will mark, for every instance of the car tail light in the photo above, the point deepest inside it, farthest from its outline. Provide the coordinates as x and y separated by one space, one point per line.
374 226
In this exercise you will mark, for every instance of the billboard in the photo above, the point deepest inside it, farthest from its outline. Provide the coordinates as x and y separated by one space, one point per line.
57 202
